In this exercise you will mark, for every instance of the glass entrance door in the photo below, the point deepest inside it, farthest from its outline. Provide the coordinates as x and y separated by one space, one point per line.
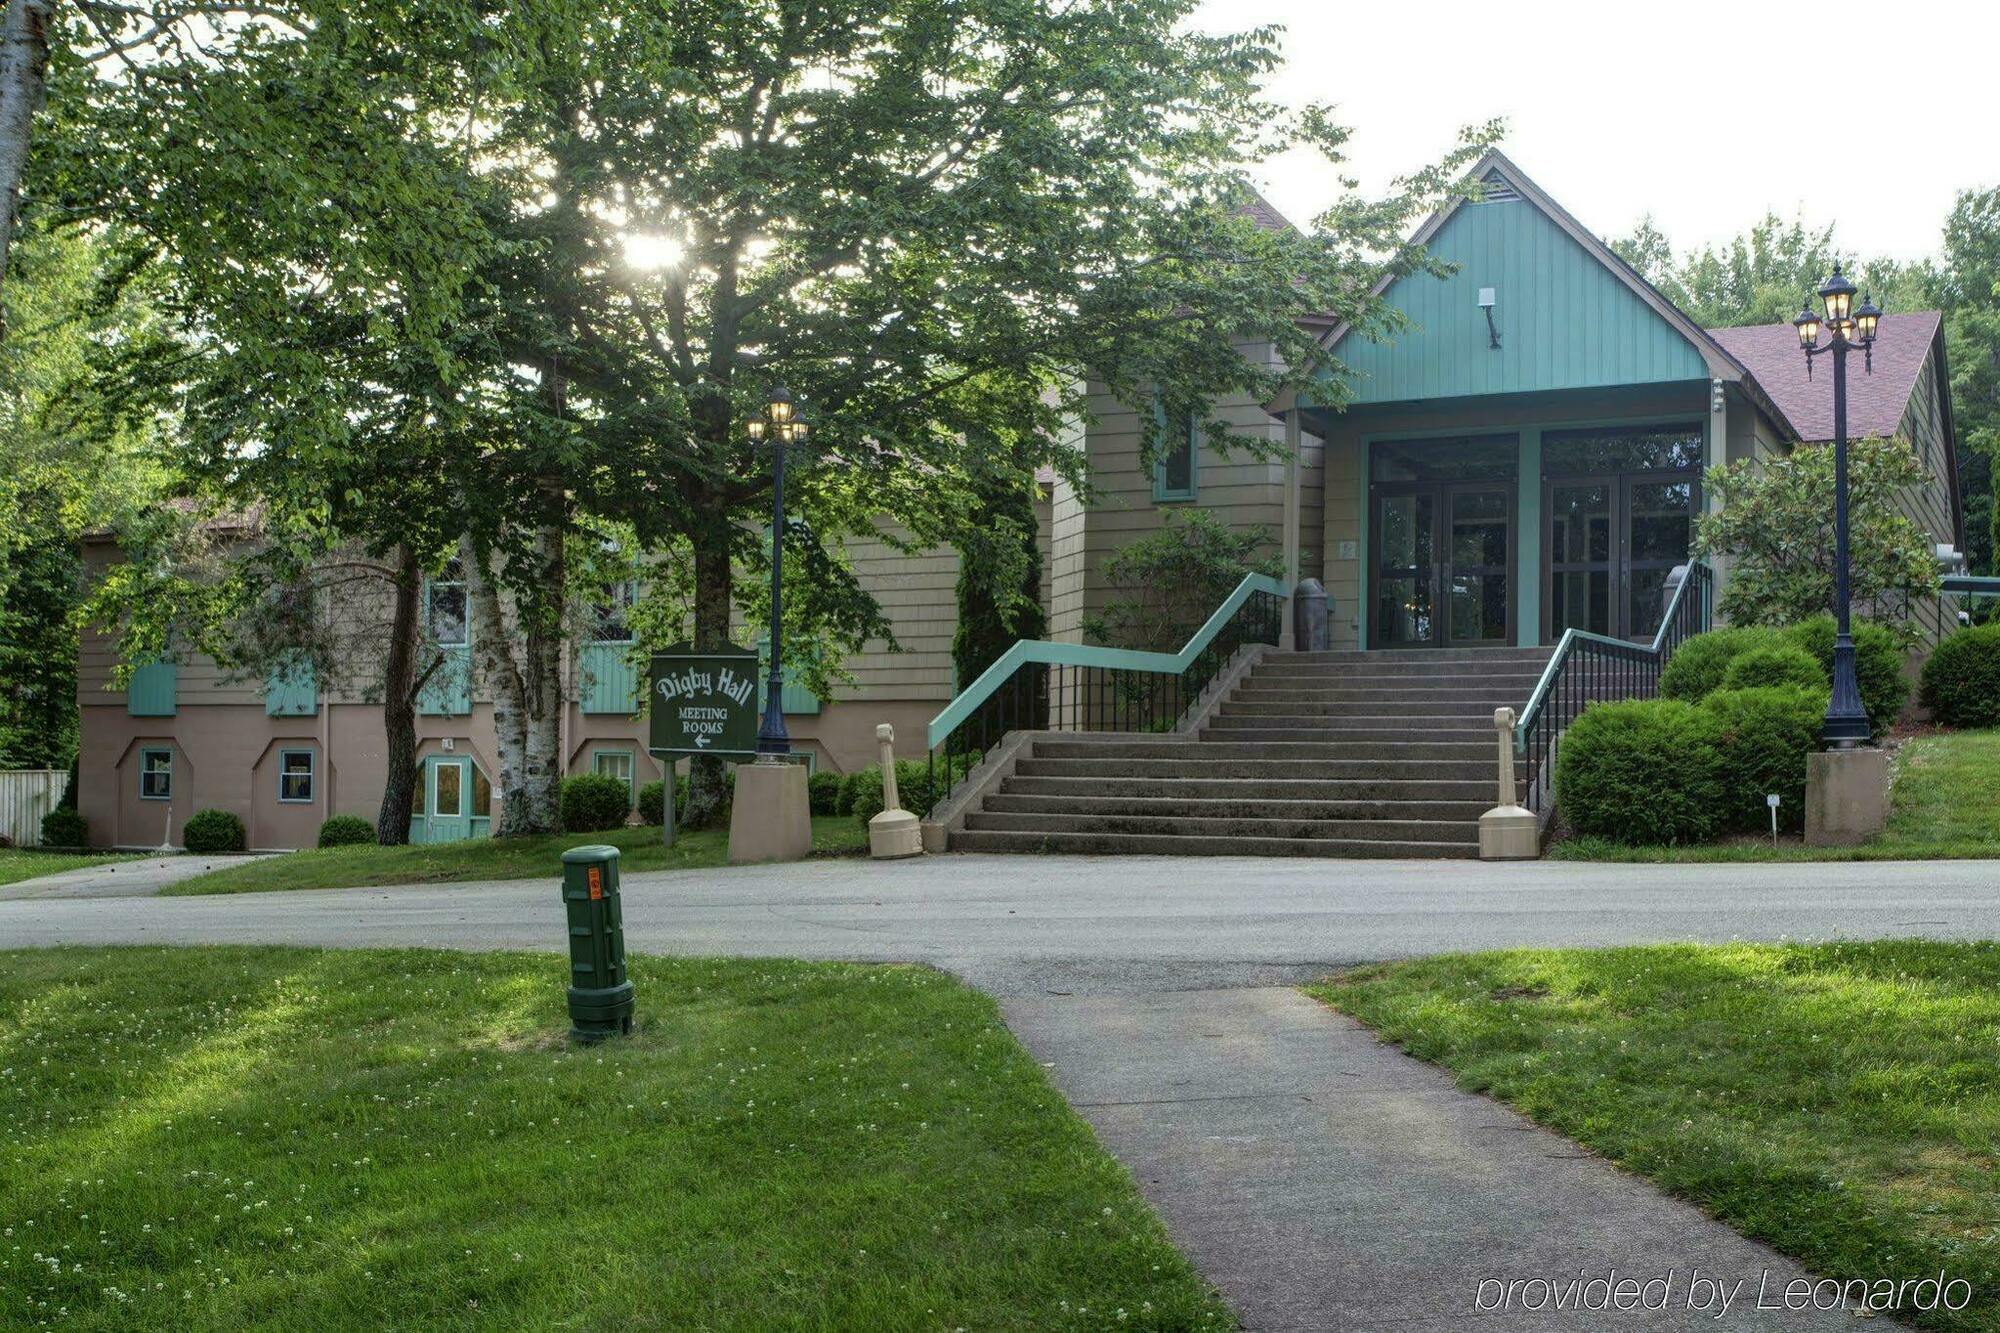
1406 569
450 790
1444 562
1621 503
1478 566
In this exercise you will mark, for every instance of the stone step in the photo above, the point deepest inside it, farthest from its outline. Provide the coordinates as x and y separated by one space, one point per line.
1167 828
1415 656
1381 665
1371 708
1147 844
1322 731
1329 769
1179 808
1183 788
1508 682
1210 750
1369 725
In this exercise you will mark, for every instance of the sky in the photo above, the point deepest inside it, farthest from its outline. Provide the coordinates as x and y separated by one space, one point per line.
1689 112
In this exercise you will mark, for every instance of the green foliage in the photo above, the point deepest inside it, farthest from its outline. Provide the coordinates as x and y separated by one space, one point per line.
1774 664
1961 681
346 831
823 792
1773 527
1166 584
652 797
594 803
653 802
999 572
211 831
850 789
1878 664
1643 771
1763 736
64 827
1699 665
914 786
1970 295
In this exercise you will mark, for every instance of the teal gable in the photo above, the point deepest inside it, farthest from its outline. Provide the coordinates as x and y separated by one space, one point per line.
1564 319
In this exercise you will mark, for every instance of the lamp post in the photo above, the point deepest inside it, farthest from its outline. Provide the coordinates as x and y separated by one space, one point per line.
1850 327
781 423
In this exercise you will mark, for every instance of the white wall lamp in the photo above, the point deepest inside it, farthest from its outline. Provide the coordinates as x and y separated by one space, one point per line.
1486 304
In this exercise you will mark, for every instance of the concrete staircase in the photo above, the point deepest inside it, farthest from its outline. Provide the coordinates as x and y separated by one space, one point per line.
1344 754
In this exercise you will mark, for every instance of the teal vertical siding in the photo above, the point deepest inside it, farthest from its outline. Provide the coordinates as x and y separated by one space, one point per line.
291 691
150 693
610 682
793 698
448 693
1566 321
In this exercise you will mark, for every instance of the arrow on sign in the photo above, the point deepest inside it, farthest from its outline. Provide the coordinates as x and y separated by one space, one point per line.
701 740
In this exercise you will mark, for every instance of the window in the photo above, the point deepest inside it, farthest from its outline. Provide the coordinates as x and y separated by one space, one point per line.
445 611
614 764
1450 458
612 623
1174 463
156 775
295 776
482 794
1568 453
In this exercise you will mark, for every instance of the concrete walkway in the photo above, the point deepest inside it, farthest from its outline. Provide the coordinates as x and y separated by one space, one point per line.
120 879
1322 1180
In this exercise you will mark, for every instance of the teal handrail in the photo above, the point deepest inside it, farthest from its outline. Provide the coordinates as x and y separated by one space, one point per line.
1085 655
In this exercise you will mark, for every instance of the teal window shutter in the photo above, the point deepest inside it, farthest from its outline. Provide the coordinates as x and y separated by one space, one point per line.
793 698
291 690
1176 460
150 692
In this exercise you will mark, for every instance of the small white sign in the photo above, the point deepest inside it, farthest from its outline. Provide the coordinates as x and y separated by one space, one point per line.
1772 800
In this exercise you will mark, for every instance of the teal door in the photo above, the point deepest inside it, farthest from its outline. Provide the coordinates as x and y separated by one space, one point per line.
449 787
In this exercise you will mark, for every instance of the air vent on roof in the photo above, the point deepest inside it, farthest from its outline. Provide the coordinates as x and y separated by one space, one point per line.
1496 190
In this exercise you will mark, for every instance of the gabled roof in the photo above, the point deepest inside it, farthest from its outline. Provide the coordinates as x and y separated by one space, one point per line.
1876 401
1264 213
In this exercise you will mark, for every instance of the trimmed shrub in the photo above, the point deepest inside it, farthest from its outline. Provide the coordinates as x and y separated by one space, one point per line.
64 827
209 831
594 803
653 802
1763 736
1643 771
1775 664
1878 664
850 787
823 792
1698 666
1961 682
346 831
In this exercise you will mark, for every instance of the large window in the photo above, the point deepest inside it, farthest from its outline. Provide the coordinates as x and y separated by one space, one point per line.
156 775
1451 458
1673 448
445 611
1175 464
295 777
613 614
614 764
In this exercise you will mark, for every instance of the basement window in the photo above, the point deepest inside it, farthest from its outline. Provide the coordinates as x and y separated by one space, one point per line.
295 777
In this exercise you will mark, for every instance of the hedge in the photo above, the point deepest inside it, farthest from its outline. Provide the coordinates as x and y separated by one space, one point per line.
1642 771
64 827
1762 738
653 796
594 803
346 831
209 831
1961 682
1774 664
823 792
1878 664
1698 666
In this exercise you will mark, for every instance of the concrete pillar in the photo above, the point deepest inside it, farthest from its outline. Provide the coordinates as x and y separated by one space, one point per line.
1294 482
1847 796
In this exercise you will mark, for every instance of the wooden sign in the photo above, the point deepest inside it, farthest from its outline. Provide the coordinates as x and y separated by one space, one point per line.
703 702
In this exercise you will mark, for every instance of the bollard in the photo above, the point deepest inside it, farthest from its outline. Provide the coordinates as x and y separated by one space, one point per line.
1309 613
600 996
895 833
1508 832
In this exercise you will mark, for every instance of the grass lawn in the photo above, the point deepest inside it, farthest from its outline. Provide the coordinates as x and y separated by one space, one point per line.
228 1138
17 864
1839 1101
494 858
1945 804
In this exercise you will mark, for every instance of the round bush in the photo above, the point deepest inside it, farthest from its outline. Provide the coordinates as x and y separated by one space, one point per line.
1961 682
823 792
1697 667
209 831
1878 664
346 831
594 803
653 802
64 827
1774 664
866 786
1763 737
1643 771
850 787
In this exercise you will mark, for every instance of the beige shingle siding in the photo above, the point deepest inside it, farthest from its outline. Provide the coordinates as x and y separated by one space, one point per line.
918 594
1930 505
1341 522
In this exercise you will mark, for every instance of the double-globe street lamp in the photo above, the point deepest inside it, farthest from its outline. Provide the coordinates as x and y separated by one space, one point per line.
782 425
1850 327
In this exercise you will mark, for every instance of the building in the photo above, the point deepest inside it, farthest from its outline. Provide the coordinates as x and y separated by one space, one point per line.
1527 457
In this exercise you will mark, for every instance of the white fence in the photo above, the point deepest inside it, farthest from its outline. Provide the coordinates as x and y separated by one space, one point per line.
26 794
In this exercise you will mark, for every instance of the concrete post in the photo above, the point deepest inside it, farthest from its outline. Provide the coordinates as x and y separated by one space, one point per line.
894 833
1294 536
1509 831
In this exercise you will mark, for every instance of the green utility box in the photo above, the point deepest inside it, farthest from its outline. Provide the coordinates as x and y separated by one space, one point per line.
600 996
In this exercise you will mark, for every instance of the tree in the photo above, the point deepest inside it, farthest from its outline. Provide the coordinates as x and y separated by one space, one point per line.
999 591
1773 527
1167 583
1970 293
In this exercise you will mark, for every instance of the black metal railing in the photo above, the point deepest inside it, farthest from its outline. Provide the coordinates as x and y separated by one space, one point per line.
1041 686
1592 668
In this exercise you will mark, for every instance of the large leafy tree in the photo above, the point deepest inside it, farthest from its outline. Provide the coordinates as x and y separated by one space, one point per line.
609 231
1970 292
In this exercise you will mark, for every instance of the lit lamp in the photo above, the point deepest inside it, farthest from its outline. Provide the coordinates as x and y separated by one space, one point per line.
781 424
1846 723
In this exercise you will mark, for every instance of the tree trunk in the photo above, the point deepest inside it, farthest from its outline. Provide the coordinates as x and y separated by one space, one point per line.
500 680
24 65
542 682
708 792
399 705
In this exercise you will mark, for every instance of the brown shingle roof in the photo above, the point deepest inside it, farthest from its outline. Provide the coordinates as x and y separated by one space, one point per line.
1262 212
1875 402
